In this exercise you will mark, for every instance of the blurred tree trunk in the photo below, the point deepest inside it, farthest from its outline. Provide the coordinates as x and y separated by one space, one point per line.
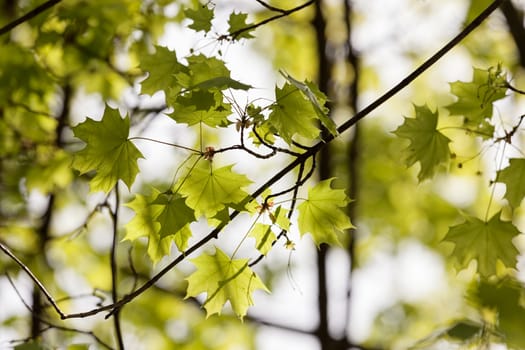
327 53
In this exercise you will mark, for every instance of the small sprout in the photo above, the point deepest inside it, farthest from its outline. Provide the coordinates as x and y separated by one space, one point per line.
209 153
289 245
242 124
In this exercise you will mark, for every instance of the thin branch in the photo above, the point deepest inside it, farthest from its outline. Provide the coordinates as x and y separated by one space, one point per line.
270 7
422 68
114 269
284 13
50 324
33 13
48 296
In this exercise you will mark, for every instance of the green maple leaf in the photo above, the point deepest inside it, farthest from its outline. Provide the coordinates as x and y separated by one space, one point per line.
427 146
201 17
223 279
145 224
316 98
163 218
108 151
175 215
162 68
486 242
209 190
237 22
280 218
475 99
512 176
201 107
264 237
321 214
293 114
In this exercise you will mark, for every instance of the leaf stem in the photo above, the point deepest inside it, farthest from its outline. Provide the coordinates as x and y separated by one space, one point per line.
165 143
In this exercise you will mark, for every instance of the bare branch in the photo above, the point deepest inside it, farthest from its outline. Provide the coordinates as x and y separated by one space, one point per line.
37 282
33 13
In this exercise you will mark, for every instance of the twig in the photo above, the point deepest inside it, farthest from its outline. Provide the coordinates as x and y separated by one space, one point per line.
33 13
283 13
114 270
48 296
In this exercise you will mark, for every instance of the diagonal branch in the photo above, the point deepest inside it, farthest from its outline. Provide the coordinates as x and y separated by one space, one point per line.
283 13
33 13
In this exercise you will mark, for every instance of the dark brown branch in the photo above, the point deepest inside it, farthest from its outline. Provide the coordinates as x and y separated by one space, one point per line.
423 67
114 270
33 13
27 270
282 14
270 7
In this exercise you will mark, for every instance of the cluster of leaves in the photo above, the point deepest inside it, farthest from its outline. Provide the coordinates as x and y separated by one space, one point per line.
195 93
488 241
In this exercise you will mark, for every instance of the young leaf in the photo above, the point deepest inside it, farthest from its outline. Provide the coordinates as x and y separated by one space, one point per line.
293 115
475 99
427 146
223 279
264 237
237 22
486 242
280 218
201 17
162 68
108 151
201 107
512 176
316 98
145 223
174 216
209 190
322 215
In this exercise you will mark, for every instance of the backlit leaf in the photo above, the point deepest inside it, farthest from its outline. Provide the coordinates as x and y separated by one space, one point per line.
223 279
264 237
237 22
201 17
427 146
108 151
293 114
485 242
145 224
322 214
209 190
512 176
162 67
316 98
475 99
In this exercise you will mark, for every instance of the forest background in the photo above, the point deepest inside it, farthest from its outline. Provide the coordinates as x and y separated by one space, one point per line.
247 174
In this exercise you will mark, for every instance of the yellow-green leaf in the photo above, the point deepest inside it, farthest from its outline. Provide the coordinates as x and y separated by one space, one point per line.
223 279
209 190
427 146
264 237
108 151
512 176
484 241
322 214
